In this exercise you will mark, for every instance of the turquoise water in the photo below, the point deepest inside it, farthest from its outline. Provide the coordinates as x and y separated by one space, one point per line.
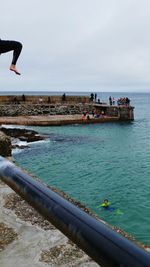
93 162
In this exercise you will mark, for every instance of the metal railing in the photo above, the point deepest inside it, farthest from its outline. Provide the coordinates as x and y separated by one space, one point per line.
100 242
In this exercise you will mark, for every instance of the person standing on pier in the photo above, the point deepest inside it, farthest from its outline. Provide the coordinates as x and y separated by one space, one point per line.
16 47
110 101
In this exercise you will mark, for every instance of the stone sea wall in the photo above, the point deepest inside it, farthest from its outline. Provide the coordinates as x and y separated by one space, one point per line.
23 105
22 109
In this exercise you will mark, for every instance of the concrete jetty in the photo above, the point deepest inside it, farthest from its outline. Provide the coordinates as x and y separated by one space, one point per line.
56 111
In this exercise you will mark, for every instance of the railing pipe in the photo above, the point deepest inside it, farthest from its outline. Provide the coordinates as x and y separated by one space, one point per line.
100 242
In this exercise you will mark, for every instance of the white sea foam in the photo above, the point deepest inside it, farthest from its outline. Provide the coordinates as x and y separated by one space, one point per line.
17 142
20 145
12 126
39 141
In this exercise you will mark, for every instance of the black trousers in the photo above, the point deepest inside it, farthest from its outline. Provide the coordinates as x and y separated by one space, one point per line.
7 46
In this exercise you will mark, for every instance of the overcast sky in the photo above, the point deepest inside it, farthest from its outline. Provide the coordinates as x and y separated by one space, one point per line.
77 45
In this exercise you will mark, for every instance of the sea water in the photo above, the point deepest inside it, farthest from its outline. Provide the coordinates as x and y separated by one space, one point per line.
97 161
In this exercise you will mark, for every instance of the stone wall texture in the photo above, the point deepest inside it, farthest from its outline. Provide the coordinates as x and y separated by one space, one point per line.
22 109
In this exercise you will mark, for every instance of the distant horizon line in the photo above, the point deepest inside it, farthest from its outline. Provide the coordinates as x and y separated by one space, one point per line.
77 91
69 92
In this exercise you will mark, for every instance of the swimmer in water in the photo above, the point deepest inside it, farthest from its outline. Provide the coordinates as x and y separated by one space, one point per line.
16 47
107 206
105 203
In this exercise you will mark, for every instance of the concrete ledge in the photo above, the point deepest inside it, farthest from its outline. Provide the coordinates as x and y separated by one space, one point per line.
55 120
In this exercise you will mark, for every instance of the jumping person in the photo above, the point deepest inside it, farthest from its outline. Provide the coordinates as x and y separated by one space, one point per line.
16 47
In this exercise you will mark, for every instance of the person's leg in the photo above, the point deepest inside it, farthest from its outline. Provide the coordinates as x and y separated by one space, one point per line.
16 53
16 47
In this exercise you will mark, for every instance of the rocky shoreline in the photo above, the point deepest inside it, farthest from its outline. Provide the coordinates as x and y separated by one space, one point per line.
10 137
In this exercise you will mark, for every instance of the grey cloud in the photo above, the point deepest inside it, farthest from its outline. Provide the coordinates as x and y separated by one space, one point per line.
80 44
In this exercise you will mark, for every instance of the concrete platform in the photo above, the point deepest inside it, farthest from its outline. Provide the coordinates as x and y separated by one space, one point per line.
54 120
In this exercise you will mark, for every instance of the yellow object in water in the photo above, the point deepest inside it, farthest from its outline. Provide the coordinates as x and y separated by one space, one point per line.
105 204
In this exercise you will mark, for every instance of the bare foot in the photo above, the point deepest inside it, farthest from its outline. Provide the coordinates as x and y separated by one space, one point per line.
13 68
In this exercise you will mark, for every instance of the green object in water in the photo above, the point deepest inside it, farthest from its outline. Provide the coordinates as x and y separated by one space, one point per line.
118 212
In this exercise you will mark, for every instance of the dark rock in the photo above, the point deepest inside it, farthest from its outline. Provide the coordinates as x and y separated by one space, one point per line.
23 134
5 145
